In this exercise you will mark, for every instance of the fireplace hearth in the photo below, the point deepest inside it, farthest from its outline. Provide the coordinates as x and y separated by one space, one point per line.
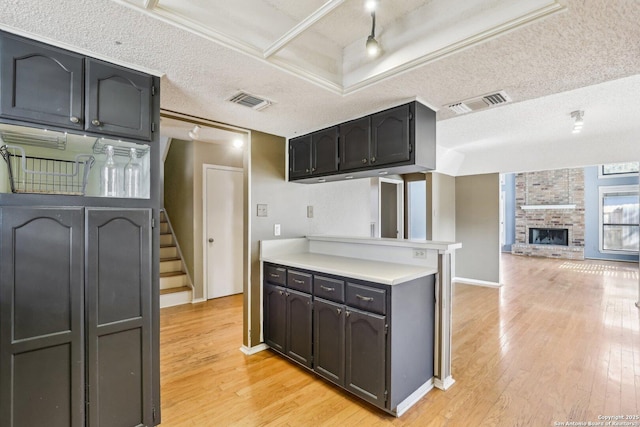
549 236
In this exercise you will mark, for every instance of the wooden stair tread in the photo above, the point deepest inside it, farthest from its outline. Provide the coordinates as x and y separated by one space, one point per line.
174 290
176 258
172 274
168 246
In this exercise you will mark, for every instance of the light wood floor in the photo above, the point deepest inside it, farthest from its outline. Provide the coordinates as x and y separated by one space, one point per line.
560 341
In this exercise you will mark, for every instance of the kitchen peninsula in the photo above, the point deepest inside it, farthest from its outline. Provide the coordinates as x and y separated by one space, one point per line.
370 315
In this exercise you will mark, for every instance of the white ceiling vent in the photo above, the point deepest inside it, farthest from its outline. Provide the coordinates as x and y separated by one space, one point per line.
250 101
479 102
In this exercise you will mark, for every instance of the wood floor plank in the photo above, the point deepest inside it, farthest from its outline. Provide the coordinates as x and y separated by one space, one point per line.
560 341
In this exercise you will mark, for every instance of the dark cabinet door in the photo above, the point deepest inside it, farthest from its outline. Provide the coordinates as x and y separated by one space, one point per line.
119 100
39 83
300 157
324 152
275 319
355 142
390 136
118 310
328 340
41 317
366 356
299 321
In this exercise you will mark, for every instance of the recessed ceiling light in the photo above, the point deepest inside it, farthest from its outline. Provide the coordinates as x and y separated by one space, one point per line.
238 142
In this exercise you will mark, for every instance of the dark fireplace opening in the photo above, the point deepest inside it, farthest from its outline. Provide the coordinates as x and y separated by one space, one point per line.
549 236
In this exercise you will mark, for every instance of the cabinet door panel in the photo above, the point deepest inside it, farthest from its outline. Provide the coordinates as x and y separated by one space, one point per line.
300 156
366 356
119 100
325 151
275 307
328 340
355 140
391 136
299 321
118 289
41 316
40 83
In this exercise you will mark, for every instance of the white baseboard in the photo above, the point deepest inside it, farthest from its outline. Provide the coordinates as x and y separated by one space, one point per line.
177 298
413 398
253 350
198 300
444 384
475 282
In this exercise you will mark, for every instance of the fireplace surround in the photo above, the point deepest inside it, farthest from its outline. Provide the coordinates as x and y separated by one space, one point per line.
549 236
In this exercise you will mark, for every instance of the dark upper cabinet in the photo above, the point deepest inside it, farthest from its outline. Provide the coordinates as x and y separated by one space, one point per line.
41 317
355 144
391 141
328 340
275 318
40 83
365 343
298 341
118 100
315 154
45 85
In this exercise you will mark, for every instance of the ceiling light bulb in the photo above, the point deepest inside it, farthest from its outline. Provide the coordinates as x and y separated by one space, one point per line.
371 5
195 132
373 48
238 142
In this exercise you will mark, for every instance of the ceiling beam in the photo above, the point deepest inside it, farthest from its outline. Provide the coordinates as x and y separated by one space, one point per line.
301 27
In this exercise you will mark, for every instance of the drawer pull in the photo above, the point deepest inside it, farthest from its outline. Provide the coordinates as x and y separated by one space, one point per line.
274 275
299 282
326 288
360 297
281 293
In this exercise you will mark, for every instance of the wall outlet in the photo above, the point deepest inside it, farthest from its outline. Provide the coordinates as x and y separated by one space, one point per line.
309 211
262 210
420 253
276 229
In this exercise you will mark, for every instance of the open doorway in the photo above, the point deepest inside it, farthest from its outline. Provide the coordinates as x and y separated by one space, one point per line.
390 208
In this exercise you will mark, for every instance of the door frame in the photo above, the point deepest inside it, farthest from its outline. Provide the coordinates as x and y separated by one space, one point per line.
399 183
205 246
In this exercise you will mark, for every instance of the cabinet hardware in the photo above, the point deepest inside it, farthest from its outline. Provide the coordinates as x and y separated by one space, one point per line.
281 293
373 160
313 169
74 119
95 122
347 313
287 294
210 240
274 275
338 310
306 170
326 288
364 161
360 297
299 282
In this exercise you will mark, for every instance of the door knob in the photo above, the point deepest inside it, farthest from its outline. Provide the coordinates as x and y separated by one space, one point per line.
210 239
96 122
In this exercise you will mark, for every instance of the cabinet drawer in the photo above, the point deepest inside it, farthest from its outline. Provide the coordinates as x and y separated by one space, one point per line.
275 275
299 280
367 298
327 288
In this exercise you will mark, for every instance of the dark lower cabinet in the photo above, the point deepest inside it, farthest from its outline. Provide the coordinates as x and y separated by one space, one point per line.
328 340
275 317
75 317
298 341
366 347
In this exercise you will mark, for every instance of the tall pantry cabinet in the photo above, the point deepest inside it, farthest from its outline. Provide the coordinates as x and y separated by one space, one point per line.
79 274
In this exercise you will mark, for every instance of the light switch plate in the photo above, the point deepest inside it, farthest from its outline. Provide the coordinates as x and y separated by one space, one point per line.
309 211
276 229
262 210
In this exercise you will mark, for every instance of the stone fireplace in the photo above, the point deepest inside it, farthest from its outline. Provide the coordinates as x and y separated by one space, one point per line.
550 214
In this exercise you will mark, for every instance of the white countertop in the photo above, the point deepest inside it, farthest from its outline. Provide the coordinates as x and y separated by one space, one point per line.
423 244
373 271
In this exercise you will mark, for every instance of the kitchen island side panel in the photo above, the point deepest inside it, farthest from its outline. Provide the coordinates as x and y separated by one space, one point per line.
411 337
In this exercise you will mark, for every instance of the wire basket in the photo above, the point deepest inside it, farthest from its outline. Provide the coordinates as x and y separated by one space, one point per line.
46 176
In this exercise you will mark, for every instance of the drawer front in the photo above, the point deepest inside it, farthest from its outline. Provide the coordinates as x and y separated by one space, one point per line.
275 275
367 298
299 281
327 288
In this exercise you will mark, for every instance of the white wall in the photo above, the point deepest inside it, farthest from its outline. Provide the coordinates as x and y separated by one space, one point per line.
341 208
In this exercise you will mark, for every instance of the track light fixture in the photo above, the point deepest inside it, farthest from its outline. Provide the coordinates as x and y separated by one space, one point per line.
373 48
371 5
578 115
195 132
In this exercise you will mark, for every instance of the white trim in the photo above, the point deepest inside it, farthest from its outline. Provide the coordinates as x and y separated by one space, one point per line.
475 282
602 190
253 350
541 207
399 208
414 397
444 384
198 300
176 298
601 175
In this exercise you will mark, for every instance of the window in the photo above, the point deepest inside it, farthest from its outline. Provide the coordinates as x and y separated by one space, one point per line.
617 170
619 215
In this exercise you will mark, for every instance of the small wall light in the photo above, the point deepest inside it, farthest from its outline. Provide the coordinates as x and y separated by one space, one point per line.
195 132
578 115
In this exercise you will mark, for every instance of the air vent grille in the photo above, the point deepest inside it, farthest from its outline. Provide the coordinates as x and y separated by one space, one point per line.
250 101
479 102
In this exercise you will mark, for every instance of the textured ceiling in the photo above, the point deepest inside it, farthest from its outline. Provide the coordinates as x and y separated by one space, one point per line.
561 60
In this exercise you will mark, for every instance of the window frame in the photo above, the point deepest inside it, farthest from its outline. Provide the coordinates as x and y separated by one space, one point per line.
602 175
602 192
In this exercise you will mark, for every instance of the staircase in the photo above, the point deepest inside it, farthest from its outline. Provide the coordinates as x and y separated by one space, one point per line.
175 285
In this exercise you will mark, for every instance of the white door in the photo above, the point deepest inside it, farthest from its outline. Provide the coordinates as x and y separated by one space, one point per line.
223 231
